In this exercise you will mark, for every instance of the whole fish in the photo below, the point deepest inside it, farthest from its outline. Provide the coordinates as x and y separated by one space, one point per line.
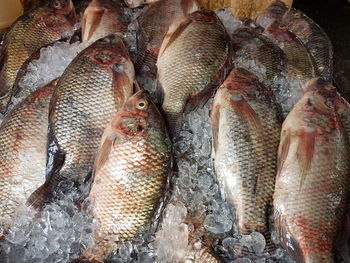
102 18
246 131
130 175
23 139
273 13
314 38
259 55
152 27
33 30
137 3
312 186
92 88
300 65
194 56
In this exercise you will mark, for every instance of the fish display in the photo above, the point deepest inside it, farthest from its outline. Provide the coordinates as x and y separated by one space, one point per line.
33 30
130 174
190 63
312 185
23 138
314 38
246 132
102 18
91 90
152 27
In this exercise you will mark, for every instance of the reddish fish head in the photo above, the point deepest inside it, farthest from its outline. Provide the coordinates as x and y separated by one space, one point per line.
296 19
133 118
60 16
101 18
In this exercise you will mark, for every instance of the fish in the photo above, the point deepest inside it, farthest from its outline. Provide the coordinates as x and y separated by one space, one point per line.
314 38
300 65
102 18
246 129
193 58
312 185
91 90
33 30
273 13
31 4
23 138
131 175
137 3
152 27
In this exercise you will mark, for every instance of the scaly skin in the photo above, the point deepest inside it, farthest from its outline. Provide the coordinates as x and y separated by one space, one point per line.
91 90
23 139
246 132
130 175
312 185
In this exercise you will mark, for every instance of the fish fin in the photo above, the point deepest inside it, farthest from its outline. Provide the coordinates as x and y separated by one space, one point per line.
305 153
136 86
159 93
286 239
283 153
41 196
103 154
90 25
215 116
175 29
200 99
121 83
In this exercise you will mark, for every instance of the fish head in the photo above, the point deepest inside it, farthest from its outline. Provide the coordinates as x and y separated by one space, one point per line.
296 19
279 33
137 3
273 13
60 16
133 118
102 17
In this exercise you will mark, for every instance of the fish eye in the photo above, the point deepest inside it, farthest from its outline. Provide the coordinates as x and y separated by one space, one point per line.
57 4
328 103
297 15
142 104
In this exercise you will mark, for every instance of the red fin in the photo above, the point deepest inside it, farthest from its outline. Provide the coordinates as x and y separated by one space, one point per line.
103 154
283 153
215 116
90 23
305 153
200 99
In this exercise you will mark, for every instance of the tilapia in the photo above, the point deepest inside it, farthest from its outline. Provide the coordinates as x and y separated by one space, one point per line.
91 90
312 186
33 30
314 38
153 25
137 3
23 139
273 13
130 175
300 65
193 58
259 55
102 18
246 131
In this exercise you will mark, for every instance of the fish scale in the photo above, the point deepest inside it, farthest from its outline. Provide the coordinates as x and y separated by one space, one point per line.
244 149
129 184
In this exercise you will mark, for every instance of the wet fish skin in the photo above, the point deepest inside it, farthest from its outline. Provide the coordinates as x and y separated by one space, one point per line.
246 131
33 30
190 63
102 18
273 13
130 174
23 138
152 27
312 184
93 87
314 38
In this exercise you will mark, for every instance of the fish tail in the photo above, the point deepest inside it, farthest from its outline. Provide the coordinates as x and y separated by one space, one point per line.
41 197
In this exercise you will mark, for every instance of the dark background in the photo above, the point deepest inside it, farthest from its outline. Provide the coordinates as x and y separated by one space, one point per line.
334 17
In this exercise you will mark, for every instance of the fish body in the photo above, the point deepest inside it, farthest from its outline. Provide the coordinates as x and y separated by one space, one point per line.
102 18
91 90
246 132
130 174
312 184
152 27
314 38
193 56
23 139
33 30
273 13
